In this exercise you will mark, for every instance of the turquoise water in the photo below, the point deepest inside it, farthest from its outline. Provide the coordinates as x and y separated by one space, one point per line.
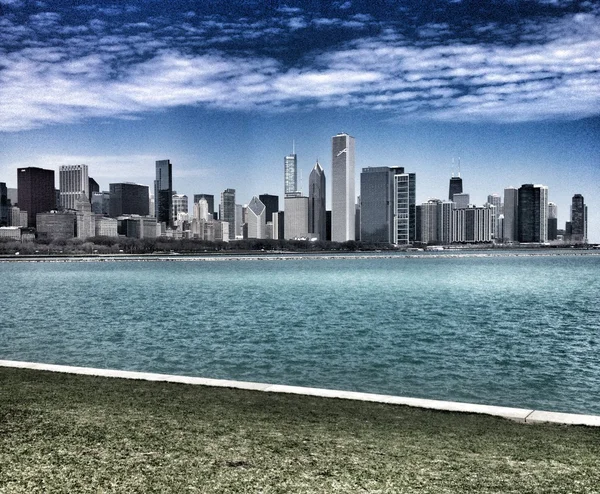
513 331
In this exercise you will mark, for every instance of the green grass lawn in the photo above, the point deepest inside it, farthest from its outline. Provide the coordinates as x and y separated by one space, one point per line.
68 433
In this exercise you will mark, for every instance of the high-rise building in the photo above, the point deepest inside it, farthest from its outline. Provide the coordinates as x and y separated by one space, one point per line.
290 170
533 214
210 200
227 210
296 217
271 203
461 200
73 181
456 187
377 204
511 211
552 221
342 188
4 208
180 205
36 192
316 202
101 203
578 219
405 213
92 187
163 192
472 224
127 198
201 210
85 222
256 218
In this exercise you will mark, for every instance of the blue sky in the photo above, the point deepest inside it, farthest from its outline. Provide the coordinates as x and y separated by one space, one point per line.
222 88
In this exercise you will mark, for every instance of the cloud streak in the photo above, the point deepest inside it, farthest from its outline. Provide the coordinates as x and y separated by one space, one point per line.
93 70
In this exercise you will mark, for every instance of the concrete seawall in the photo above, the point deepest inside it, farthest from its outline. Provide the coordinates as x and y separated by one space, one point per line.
524 415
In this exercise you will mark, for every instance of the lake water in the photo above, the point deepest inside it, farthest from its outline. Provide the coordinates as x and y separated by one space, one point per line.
518 331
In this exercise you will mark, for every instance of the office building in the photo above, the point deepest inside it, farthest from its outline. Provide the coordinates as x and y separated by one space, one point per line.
473 224
405 213
101 203
85 220
36 192
73 181
296 217
290 170
163 192
179 206
342 188
578 219
532 209
552 221
227 211
256 219
377 204
106 227
316 202
210 200
456 187
271 203
125 198
201 210
133 226
462 200
4 205
93 186
511 219
56 225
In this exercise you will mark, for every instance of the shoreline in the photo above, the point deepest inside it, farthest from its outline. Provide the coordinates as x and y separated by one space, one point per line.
265 256
522 415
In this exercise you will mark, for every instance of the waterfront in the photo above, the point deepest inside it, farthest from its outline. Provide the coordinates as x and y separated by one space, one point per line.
506 330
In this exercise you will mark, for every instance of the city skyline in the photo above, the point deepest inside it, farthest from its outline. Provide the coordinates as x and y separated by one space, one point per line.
510 89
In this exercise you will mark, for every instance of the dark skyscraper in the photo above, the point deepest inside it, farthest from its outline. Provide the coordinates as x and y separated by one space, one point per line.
271 202
36 192
456 187
532 221
129 198
377 204
578 219
163 192
210 199
316 202
3 205
93 186
227 210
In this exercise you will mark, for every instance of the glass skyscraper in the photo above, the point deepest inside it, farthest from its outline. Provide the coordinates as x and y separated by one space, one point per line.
290 166
163 192
73 181
227 210
316 202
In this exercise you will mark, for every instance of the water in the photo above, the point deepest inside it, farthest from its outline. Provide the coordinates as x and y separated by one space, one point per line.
512 331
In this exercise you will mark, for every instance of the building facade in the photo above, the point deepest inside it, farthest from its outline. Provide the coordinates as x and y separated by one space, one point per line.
377 204
163 192
455 187
317 202
290 172
127 198
210 201
511 214
36 192
578 219
256 218
296 217
532 222
342 188
405 214
73 181
227 210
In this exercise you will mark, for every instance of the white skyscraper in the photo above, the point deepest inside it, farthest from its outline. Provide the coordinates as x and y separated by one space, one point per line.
343 209
73 181
256 218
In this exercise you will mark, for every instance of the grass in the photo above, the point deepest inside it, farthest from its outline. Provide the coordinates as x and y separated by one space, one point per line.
72 434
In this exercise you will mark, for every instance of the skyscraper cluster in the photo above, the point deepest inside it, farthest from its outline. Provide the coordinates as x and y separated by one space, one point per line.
385 212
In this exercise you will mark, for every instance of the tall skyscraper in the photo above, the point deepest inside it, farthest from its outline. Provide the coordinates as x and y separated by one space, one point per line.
180 205
73 181
4 210
533 214
377 204
296 217
316 202
552 221
578 219
227 210
271 203
163 192
256 218
511 219
290 170
36 192
342 188
405 213
456 187
127 198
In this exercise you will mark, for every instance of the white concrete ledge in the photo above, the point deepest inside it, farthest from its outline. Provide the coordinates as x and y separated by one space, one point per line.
528 416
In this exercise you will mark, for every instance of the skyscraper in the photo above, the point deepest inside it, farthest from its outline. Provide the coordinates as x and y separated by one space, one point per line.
377 204
4 216
227 210
578 219
533 213
127 198
73 181
256 218
456 187
36 192
271 203
210 199
511 219
163 192
405 213
316 202
290 169
342 188
296 217
179 205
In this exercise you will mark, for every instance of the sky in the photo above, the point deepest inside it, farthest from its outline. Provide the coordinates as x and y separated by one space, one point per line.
509 88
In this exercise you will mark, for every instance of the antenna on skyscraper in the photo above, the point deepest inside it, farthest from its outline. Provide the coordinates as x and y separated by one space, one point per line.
452 167
293 146
459 166
300 182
